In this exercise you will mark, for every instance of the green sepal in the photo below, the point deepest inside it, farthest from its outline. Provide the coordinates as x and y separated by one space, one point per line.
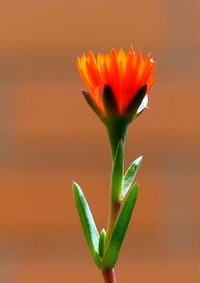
102 238
132 108
88 224
112 251
109 102
142 107
117 173
130 176
92 105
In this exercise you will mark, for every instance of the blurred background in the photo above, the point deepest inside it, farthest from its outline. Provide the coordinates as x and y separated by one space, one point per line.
49 137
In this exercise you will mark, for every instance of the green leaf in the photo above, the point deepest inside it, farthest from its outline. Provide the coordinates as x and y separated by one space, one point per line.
112 251
87 222
102 238
130 175
117 173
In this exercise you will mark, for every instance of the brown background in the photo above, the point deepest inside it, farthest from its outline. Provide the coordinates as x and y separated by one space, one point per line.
49 137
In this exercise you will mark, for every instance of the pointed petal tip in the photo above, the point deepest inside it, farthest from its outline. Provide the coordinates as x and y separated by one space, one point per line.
131 48
113 51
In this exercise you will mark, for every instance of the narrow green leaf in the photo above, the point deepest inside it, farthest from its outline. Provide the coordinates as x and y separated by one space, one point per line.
112 251
117 173
102 238
130 175
87 222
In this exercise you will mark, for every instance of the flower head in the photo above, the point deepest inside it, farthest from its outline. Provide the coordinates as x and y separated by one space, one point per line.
117 82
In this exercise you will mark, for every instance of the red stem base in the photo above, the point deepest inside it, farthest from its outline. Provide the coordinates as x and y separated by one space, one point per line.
109 275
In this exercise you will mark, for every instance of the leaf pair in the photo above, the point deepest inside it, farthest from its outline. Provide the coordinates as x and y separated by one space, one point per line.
120 183
104 257
120 188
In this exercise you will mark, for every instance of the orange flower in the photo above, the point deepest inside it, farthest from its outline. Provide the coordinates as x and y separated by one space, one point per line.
124 74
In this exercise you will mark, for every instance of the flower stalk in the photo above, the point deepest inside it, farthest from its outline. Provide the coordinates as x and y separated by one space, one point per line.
109 275
117 130
114 213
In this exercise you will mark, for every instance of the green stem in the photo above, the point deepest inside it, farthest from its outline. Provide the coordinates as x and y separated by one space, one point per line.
109 275
117 130
114 212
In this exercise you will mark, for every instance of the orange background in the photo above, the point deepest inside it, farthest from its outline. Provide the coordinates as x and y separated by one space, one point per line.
49 137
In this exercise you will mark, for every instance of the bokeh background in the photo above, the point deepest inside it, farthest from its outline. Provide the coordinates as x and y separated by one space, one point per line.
49 137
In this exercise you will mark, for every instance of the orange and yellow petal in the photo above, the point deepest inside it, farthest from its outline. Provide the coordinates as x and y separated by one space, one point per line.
124 73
